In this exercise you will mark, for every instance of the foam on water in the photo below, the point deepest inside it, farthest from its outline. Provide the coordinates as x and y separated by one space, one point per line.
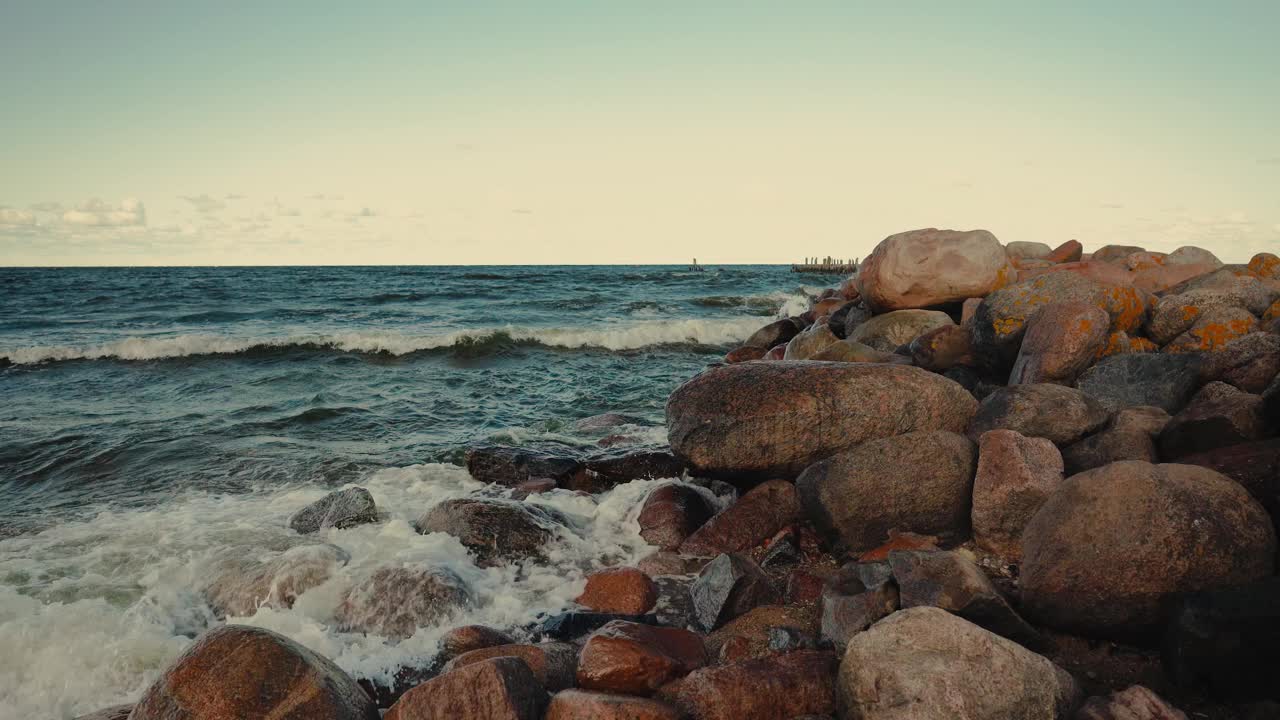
91 611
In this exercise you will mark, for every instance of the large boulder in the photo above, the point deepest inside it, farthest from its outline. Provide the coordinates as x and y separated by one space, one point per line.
502 688
1112 544
1130 436
1060 414
755 517
810 342
1116 253
889 331
1249 363
920 482
1218 416
950 581
339 509
240 585
1255 465
512 466
749 635
622 590
671 513
495 531
854 351
1061 340
554 664
1069 251
1016 474
1021 249
942 348
775 688
635 659
235 671
774 333
926 664
763 420
1132 380
922 268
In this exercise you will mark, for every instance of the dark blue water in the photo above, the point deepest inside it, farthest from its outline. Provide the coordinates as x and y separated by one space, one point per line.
120 387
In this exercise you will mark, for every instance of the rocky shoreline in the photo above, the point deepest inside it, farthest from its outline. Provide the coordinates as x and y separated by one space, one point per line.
976 480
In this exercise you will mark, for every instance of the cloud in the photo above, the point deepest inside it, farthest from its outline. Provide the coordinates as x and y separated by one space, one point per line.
12 217
96 213
53 207
204 203
234 197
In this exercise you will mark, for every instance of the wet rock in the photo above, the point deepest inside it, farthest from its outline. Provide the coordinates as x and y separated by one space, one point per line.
920 482
927 664
922 268
1159 380
671 513
1255 465
783 549
235 671
605 470
606 421
942 348
949 581
574 624
809 342
1130 436
501 688
772 420
749 634
746 353
1061 341
637 659
1227 641
555 664
665 562
238 586
1031 250
395 601
1218 416
472 637
727 587
1060 414
823 307
116 712
339 509
1133 703
495 531
774 333
888 331
774 688
1016 474
1112 544
511 466
853 351
405 678
755 517
1069 251
1249 363
621 590
853 598
776 353
583 705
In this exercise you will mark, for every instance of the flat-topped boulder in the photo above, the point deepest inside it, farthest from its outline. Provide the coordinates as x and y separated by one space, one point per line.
762 420
923 268
893 329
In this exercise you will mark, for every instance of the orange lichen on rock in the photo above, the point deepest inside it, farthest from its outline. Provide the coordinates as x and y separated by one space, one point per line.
1127 306
1272 312
1119 343
1265 265
1212 335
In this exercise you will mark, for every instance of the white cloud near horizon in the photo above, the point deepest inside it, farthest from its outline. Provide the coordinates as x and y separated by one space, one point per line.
98 213
15 217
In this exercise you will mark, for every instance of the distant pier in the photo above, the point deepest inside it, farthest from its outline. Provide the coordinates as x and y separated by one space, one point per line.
827 265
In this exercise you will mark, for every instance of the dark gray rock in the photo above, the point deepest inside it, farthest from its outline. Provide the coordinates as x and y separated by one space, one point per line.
775 333
1060 414
496 531
1218 416
339 509
575 624
1166 381
729 586
511 466
603 471
854 597
1227 640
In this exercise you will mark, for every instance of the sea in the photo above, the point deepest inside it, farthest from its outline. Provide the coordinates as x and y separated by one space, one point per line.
156 420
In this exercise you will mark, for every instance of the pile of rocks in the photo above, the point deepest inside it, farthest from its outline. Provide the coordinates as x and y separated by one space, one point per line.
975 481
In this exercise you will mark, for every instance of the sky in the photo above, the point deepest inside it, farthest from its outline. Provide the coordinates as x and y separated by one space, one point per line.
230 133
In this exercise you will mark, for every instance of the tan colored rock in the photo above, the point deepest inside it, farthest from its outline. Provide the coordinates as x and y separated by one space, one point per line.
620 590
553 664
1016 474
634 659
1133 703
501 688
854 351
922 268
583 705
1021 249
809 342
1061 340
1100 272
755 517
891 330
774 688
1192 255
1116 253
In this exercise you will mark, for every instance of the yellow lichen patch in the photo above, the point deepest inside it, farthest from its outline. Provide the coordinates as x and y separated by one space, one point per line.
1006 326
1118 343
1126 306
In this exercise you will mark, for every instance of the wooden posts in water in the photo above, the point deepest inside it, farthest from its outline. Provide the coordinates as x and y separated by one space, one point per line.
827 265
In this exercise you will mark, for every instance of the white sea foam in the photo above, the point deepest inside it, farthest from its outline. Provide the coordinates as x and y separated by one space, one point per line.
610 337
91 611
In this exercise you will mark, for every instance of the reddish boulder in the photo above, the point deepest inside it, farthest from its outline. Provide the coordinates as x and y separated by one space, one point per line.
854 351
502 688
1133 703
778 352
495 531
671 513
1249 363
1069 251
1265 265
621 590
1099 272
635 659
746 353
1016 474
749 633
1130 436
1063 415
1219 415
582 705
942 348
472 637
774 688
1255 465
922 268
1213 330
808 343
235 671
1061 340
553 664
755 517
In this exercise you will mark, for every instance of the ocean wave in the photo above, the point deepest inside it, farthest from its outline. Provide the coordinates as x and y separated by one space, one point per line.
631 336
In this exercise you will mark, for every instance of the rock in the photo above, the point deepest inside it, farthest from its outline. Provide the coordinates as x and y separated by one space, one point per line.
1116 253
899 541
395 601
472 637
115 712
1130 436
1255 465
553 664
853 598
1249 363
621 590
808 343
235 671
574 624
838 319
1219 415
606 421
339 509
665 562
606 469
855 316
671 513
1099 272
1061 341
1176 314
892 329
1112 544
772 420
495 531
1020 249
1069 251
1119 343
1239 289
746 353
749 634
774 333
854 351
921 482
727 587
502 688
675 602
755 517
238 586
1133 703
942 348
1016 474
1264 265
922 268
1227 640
1214 330
511 466
824 307
1159 380
1060 414
583 705
1192 255
774 688
949 581
637 659
927 664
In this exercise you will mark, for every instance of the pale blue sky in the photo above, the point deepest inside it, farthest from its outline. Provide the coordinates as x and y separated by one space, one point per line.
160 133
